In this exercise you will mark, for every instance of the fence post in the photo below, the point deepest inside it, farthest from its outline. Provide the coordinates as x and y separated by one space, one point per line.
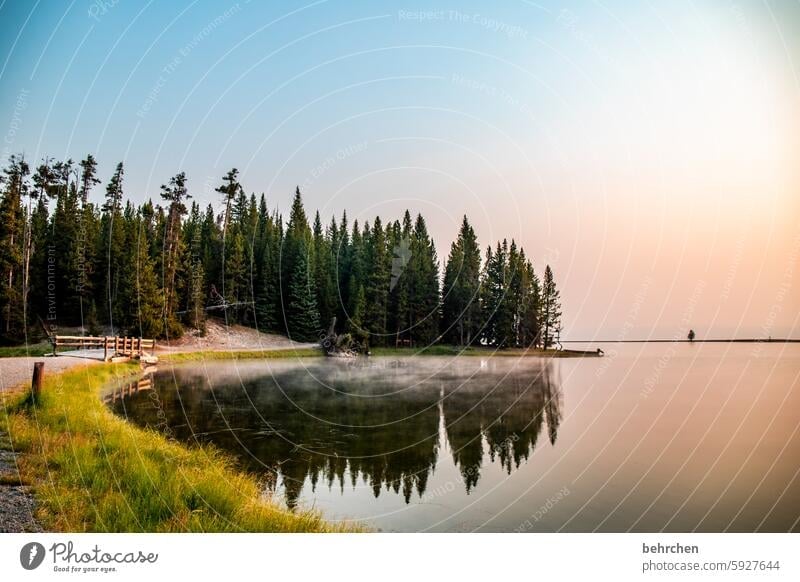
36 381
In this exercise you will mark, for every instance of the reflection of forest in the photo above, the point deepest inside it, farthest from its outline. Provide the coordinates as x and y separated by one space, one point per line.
338 422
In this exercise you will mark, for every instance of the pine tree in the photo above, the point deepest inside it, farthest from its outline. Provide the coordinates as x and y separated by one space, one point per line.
423 271
39 253
112 259
300 307
550 310
342 257
12 227
378 281
66 238
146 310
229 189
85 253
211 246
176 194
400 314
267 288
299 304
234 285
355 281
513 296
461 310
194 289
323 276
88 177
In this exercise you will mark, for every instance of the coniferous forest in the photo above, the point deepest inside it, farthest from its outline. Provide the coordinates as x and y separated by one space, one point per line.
164 266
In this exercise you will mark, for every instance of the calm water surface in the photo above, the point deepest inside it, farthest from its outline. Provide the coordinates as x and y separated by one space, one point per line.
654 437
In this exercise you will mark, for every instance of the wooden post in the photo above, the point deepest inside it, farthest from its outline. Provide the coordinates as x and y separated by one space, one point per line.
36 381
105 348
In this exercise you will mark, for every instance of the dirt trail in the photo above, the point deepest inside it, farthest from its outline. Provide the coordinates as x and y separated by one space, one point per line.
223 337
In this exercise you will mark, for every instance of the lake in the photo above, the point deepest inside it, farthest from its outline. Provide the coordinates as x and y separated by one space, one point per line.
652 437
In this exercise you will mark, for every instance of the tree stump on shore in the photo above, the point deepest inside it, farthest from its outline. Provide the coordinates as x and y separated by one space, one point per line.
36 381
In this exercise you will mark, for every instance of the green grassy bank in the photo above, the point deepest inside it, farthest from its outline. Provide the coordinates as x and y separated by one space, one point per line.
446 350
33 350
180 357
93 471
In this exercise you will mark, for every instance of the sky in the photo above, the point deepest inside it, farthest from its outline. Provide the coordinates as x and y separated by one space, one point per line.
647 151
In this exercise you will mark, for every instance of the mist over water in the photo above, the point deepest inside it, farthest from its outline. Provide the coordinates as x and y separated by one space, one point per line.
648 438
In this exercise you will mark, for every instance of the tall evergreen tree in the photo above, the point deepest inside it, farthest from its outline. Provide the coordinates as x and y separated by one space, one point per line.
85 253
88 177
112 258
550 310
377 283
400 314
66 236
146 307
423 272
268 290
492 291
193 291
300 307
12 227
176 194
299 304
528 316
323 276
461 309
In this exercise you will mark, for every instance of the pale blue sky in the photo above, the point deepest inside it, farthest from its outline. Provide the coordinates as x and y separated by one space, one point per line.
621 142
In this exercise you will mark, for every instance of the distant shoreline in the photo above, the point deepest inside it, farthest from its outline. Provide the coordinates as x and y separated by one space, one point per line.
686 341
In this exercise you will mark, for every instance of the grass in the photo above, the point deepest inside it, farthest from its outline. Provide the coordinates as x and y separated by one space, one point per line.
95 472
180 357
447 350
33 350
434 350
11 480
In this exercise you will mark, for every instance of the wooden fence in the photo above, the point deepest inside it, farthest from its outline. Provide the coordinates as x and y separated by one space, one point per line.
128 388
112 346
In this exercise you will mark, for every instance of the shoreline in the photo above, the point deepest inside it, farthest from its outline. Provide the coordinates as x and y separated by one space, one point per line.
78 388
436 350
92 471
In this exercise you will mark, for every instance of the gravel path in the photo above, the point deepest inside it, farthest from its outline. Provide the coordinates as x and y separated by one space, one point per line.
17 371
17 503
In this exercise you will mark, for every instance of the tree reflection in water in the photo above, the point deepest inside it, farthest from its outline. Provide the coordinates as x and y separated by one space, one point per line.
381 420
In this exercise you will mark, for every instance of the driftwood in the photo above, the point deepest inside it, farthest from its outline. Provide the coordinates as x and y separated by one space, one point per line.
50 336
338 345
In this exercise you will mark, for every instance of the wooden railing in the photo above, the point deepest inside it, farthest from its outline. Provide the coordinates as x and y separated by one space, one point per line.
113 345
128 388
